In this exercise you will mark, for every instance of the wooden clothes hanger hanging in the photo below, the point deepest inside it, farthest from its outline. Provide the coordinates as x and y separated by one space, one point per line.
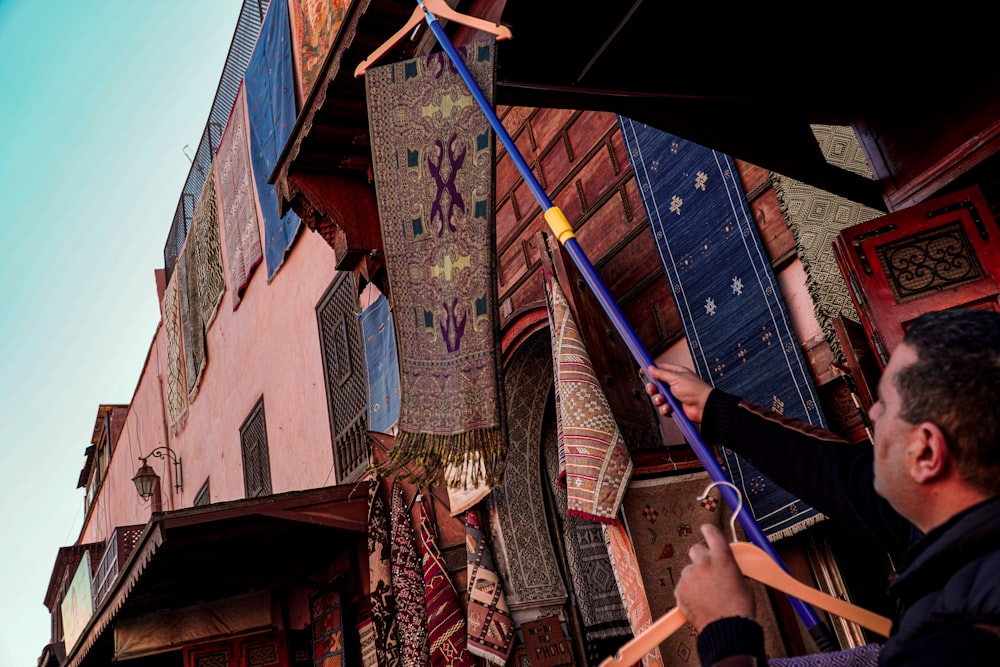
755 564
441 10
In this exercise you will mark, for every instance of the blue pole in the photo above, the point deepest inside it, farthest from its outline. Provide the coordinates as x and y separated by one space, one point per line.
564 232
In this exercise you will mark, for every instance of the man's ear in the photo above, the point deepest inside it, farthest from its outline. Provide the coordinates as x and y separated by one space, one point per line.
931 455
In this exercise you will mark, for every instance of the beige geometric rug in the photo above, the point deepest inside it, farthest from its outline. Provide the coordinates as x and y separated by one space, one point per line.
816 217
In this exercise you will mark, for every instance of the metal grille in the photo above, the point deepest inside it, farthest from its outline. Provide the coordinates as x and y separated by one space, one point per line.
259 655
256 459
240 50
343 370
928 262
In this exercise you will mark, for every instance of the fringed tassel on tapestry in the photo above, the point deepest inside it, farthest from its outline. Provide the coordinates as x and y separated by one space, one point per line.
728 298
408 585
491 626
433 157
596 462
383 600
446 626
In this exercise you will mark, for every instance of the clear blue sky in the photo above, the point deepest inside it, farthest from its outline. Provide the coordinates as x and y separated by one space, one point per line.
97 102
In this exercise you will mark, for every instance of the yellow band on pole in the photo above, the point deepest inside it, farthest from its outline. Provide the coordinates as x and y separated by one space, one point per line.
559 224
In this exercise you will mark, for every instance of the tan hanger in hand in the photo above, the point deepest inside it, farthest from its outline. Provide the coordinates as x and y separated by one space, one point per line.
756 564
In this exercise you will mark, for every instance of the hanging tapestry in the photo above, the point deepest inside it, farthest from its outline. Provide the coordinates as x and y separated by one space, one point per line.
433 157
327 630
629 577
315 24
383 600
408 586
270 93
446 627
816 217
595 464
728 299
527 561
177 404
664 516
491 627
605 623
381 365
192 332
237 201
206 270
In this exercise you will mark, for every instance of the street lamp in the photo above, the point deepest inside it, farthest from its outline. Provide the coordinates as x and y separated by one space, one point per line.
146 479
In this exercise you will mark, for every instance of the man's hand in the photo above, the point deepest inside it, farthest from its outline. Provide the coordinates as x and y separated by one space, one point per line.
712 586
686 387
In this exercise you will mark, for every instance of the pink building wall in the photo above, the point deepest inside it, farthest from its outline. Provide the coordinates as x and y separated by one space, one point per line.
269 346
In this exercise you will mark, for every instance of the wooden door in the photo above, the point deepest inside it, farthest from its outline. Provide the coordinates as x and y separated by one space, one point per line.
941 254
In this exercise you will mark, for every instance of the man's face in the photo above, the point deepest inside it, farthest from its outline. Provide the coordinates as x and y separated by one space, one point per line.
892 433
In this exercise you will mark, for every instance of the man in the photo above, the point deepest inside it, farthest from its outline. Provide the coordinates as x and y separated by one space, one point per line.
928 491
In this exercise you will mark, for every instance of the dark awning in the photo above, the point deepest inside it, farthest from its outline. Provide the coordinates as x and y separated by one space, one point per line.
226 549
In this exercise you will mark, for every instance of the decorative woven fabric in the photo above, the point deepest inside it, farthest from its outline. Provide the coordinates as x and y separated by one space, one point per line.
664 516
737 327
383 600
381 365
207 268
177 404
862 656
237 200
596 461
597 596
328 630
527 561
432 152
816 217
366 635
315 24
270 94
629 578
192 331
491 627
408 586
446 628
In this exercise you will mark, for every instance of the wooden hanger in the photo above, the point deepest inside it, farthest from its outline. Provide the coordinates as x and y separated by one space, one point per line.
439 9
756 564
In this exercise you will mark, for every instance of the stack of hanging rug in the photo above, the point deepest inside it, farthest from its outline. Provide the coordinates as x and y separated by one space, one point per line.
729 301
408 585
816 217
433 157
664 517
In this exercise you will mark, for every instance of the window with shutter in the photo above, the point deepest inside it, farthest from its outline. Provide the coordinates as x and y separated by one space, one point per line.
941 254
256 460
343 370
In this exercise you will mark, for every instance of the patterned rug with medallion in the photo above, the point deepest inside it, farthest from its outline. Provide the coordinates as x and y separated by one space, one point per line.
433 157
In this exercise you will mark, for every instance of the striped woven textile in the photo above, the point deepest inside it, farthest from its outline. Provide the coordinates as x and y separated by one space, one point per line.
491 626
446 627
595 462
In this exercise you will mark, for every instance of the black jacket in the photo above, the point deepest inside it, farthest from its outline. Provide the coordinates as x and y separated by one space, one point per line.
948 584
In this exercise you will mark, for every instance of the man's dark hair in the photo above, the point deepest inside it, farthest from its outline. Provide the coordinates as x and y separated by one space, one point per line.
955 383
